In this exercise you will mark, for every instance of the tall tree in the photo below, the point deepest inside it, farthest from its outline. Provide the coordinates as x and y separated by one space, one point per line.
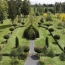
25 10
19 4
3 10
12 10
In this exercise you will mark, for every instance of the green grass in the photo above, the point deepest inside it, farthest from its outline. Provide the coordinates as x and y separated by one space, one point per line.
40 42
51 61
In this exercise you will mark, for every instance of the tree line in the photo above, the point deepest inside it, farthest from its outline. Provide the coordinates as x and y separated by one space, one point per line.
58 7
13 8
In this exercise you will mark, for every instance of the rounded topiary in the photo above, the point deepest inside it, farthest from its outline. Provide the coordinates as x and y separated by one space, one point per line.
39 23
47 25
57 37
6 37
14 24
38 49
25 48
51 29
62 56
11 29
41 20
22 23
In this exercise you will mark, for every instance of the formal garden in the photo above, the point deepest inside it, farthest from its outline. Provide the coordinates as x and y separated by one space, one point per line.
19 24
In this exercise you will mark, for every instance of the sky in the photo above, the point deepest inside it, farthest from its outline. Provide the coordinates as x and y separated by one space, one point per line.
46 1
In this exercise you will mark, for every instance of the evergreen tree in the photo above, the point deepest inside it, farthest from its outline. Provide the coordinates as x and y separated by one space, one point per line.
17 42
46 42
3 10
25 10
12 10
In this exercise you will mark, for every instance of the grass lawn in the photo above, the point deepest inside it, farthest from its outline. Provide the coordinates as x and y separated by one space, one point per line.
40 42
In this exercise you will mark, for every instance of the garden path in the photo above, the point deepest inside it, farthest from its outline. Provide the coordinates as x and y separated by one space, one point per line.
32 58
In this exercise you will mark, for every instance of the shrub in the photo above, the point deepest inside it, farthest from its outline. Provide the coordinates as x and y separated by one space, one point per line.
41 20
6 37
16 42
57 37
46 42
25 48
51 30
62 56
48 17
39 23
22 23
51 54
14 25
38 49
37 14
11 29
45 50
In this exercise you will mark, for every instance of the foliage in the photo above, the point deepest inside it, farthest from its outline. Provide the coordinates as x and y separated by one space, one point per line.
31 33
49 17
25 9
41 20
13 53
51 54
38 49
45 15
47 42
62 17
51 29
57 37
3 10
37 13
45 50
12 10
6 36
25 48
62 56
11 29
16 42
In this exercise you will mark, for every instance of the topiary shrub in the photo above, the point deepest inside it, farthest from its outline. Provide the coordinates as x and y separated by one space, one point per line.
41 20
22 23
6 37
51 29
57 37
16 42
39 23
11 29
15 25
51 54
38 49
46 42
31 33
25 48
62 56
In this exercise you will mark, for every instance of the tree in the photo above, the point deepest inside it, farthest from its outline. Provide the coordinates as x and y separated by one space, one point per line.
46 42
3 10
25 10
13 55
16 42
19 4
12 10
